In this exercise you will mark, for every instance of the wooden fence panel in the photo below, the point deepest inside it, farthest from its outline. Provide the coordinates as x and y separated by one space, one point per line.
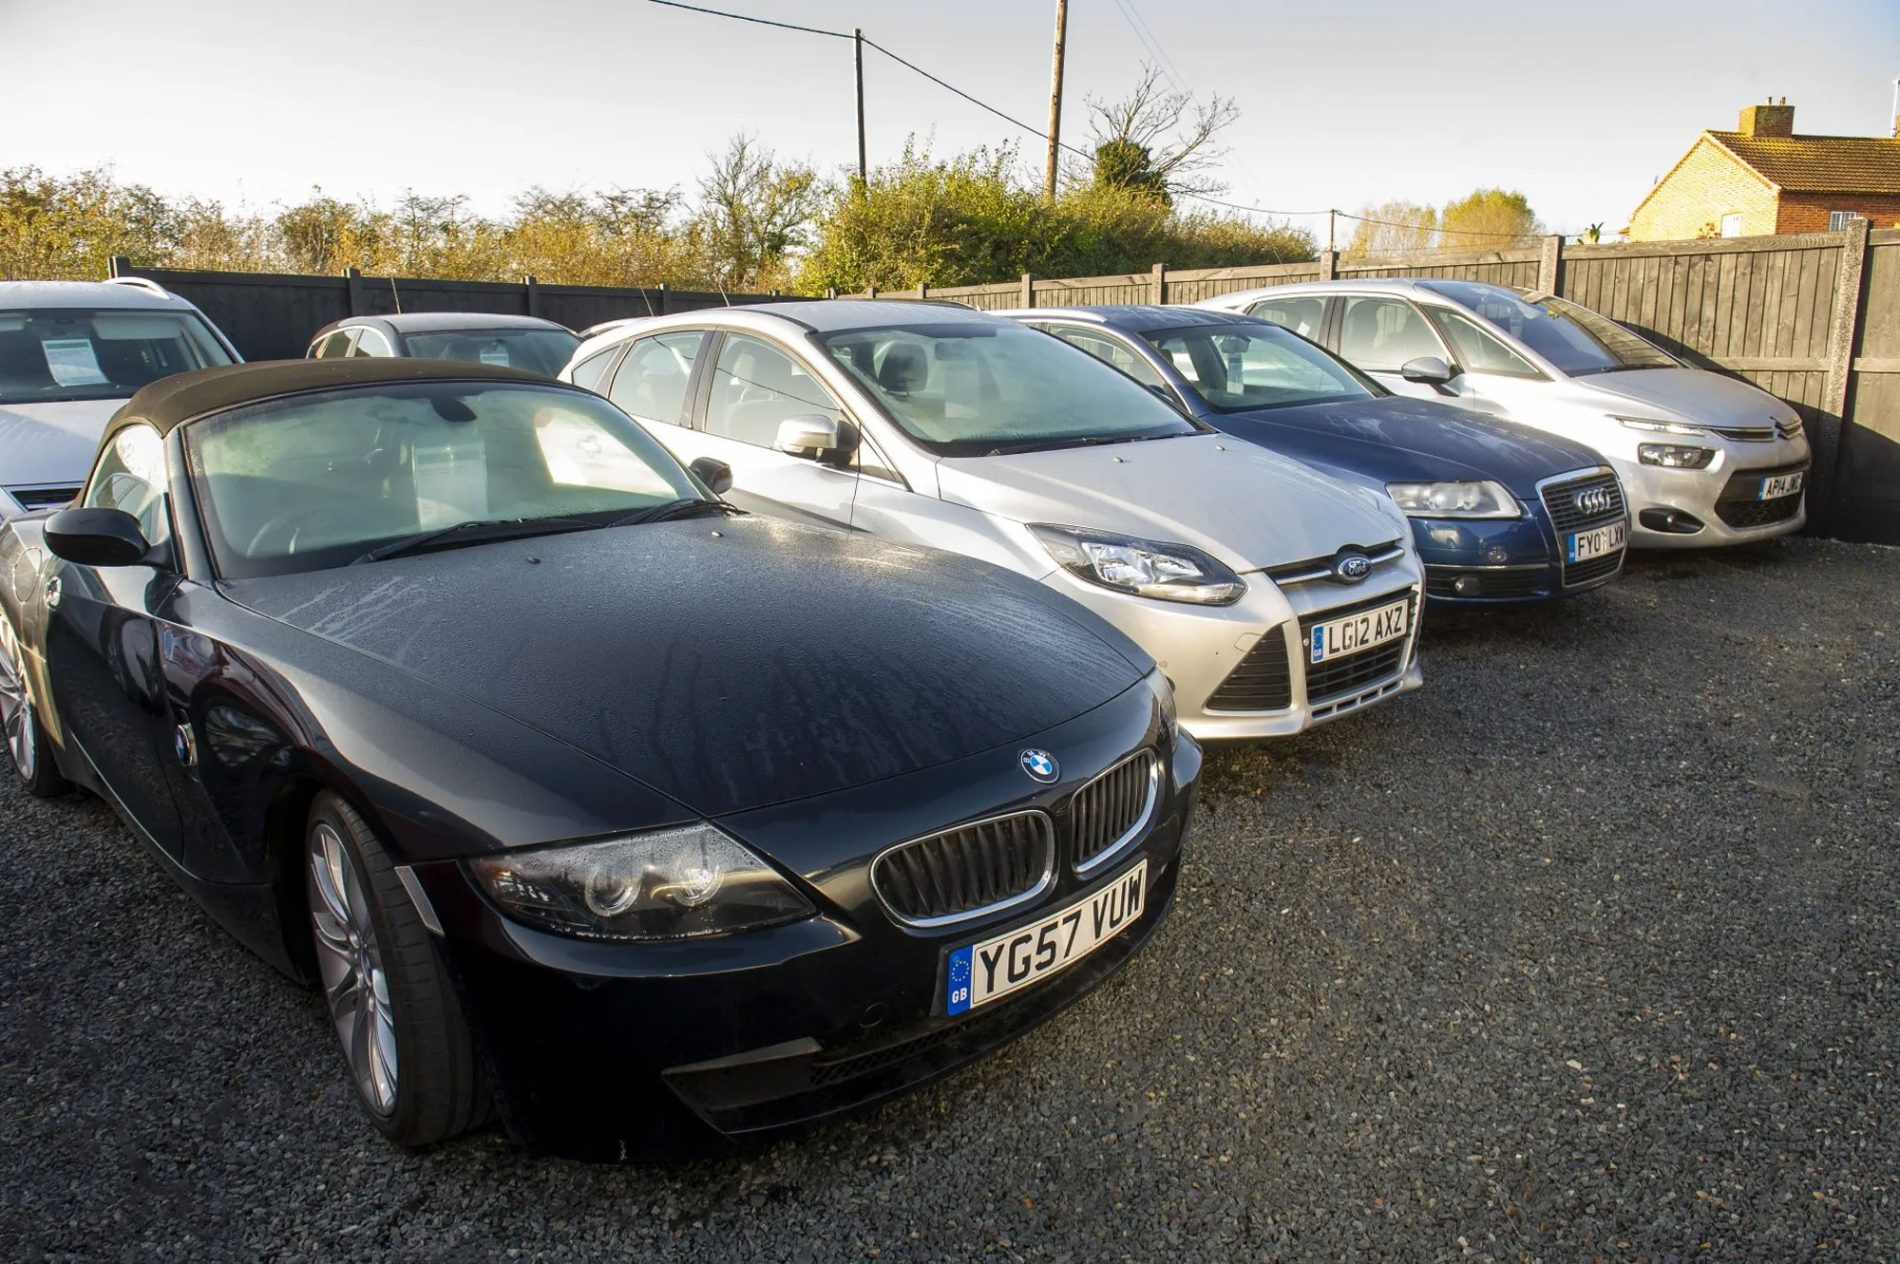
1866 500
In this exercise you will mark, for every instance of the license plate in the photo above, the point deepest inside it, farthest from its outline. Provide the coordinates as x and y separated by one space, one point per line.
1601 542
1360 631
1782 485
992 968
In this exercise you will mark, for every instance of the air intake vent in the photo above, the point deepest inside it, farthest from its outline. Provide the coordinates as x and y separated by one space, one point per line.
1110 811
971 871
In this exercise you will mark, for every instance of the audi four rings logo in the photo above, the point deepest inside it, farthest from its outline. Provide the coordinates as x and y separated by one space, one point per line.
1352 567
1040 764
1594 500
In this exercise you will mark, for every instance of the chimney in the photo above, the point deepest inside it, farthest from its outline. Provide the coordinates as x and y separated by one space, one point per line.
1773 120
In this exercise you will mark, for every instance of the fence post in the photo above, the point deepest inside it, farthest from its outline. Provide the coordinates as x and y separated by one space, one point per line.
923 291
1329 265
1550 265
355 281
1843 329
1160 284
121 266
831 291
666 298
1027 298
870 291
529 284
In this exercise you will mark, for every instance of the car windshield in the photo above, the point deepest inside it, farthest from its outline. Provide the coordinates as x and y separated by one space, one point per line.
318 480
1237 368
49 355
1575 339
536 350
965 388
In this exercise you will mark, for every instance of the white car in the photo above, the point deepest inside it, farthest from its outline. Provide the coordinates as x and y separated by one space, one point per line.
1705 459
1273 596
70 353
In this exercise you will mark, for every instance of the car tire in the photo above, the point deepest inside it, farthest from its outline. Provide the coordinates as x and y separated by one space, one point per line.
28 749
387 989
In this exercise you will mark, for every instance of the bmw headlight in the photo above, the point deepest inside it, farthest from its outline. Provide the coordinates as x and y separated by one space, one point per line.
669 884
1163 690
1146 568
1484 499
1653 426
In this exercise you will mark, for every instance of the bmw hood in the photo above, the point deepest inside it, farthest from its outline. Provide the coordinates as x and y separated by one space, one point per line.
728 664
51 443
1694 395
1411 440
1249 507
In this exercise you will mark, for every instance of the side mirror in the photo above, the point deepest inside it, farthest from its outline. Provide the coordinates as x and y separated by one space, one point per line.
96 537
815 437
1429 370
717 475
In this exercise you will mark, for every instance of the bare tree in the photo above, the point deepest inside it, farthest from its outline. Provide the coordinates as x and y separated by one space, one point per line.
1160 140
755 212
1393 228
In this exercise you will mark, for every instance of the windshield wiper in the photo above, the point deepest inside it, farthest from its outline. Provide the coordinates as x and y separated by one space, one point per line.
689 507
474 531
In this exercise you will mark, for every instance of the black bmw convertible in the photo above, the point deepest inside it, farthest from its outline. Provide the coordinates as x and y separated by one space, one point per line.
446 688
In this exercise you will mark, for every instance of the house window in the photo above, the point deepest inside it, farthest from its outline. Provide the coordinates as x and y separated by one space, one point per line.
1732 224
1837 220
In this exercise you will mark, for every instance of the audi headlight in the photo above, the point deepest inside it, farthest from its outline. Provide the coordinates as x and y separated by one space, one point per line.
669 884
1653 426
1675 456
1146 568
1485 499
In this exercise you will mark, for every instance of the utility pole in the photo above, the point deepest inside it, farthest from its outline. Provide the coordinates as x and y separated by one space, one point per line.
1332 218
857 44
1055 105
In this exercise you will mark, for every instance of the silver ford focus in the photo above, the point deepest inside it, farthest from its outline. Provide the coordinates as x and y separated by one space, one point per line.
1704 459
1273 596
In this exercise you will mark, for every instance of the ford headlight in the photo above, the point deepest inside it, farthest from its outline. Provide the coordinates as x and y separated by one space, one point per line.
1145 568
1653 426
677 883
1484 499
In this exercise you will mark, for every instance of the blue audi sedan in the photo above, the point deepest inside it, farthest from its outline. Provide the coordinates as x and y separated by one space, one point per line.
1501 513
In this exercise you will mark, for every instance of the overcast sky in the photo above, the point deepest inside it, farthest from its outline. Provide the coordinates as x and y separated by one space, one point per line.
1581 106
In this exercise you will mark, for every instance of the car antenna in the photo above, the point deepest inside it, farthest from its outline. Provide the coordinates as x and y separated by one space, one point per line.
722 295
395 296
646 300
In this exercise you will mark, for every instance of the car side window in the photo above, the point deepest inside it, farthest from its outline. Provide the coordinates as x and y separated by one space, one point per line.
130 475
370 342
756 386
1301 315
1478 350
652 380
1383 333
334 346
589 372
1110 352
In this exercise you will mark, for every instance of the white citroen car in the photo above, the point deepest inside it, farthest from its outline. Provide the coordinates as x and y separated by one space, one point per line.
70 353
1705 459
1273 596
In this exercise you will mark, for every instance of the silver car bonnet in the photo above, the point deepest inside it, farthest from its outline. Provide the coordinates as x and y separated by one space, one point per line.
1688 394
1244 505
51 443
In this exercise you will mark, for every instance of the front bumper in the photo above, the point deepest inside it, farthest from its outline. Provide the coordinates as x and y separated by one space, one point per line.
1477 562
623 1051
1202 647
1713 506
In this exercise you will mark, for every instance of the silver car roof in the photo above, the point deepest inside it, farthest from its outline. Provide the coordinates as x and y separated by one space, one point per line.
121 292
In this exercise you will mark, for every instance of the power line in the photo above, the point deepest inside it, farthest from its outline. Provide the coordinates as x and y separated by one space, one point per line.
984 105
743 17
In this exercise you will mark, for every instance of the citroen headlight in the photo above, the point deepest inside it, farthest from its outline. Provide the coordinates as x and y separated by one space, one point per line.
1484 499
1675 456
1146 568
669 884
1653 426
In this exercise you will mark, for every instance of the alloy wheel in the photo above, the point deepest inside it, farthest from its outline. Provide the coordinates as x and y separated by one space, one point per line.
350 961
16 708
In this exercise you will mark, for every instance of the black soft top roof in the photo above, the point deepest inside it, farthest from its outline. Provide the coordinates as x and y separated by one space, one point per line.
172 401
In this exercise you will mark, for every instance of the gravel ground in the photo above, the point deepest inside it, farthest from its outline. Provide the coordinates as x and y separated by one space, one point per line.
1586 950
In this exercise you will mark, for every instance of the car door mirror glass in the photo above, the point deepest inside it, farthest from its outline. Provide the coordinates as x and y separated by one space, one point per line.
1430 370
96 537
716 475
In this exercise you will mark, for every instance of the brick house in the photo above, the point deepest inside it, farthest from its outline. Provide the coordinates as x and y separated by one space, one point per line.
1763 178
